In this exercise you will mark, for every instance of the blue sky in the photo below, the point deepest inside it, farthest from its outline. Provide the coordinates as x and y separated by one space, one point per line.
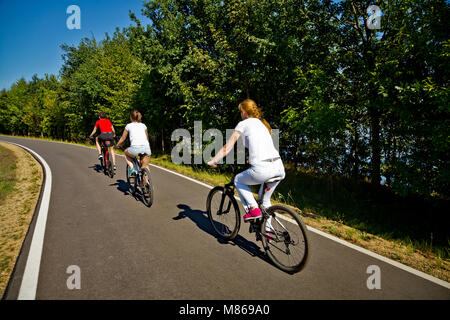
31 32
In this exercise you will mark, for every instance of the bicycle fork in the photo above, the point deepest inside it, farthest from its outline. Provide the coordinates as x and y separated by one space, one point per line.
221 211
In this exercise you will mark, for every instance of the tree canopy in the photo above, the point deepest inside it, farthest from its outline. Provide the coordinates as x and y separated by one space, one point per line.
348 100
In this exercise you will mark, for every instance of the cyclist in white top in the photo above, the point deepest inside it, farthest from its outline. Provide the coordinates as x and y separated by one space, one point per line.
264 159
138 140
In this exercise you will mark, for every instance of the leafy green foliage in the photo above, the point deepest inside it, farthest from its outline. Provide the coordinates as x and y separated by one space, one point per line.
349 101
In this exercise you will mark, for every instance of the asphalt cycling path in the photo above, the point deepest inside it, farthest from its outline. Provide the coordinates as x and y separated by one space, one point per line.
125 250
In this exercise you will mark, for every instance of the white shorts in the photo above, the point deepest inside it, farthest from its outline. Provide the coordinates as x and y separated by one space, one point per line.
136 150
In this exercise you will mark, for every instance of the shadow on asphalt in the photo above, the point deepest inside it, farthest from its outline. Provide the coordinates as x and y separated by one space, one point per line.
200 218
125 188
122 186
98 168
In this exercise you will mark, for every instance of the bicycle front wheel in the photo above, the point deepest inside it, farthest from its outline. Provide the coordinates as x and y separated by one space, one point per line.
284 239
223 213
146 187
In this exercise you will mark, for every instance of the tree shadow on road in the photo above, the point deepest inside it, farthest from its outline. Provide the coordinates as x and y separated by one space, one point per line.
200 218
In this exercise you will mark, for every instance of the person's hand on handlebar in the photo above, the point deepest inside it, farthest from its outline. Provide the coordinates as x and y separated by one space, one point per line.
225 149
212 164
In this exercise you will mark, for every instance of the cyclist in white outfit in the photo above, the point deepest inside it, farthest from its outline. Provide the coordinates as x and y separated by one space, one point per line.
264 159
138 141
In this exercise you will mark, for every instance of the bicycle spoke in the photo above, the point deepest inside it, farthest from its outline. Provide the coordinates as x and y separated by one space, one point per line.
222 214
146 187
287 246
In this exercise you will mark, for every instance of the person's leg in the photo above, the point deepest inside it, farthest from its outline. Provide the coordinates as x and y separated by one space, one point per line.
246 196
145 162
129 157
242 182
274 170
97 143
270 188
111 149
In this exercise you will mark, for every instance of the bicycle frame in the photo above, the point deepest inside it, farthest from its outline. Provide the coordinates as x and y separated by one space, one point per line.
137 168
229 190
137 163
105 151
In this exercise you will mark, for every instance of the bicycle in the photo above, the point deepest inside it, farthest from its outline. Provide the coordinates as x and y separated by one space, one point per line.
141 181
281 230
105 160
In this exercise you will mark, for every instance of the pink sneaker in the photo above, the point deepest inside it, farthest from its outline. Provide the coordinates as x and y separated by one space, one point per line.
253 214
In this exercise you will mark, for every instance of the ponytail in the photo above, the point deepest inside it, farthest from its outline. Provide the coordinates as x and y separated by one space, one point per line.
253 111
266 124
134 115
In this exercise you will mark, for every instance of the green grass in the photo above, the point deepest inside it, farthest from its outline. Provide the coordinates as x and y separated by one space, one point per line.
7 172
420 223
209 176
409 221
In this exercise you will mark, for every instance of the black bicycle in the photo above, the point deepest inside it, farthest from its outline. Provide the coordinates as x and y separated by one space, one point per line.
281 230
141 182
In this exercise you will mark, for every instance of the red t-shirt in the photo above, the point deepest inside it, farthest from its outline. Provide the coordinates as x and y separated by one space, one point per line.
104 125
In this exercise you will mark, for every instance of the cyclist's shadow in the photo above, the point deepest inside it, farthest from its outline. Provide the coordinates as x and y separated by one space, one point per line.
98 168
122 186
202 221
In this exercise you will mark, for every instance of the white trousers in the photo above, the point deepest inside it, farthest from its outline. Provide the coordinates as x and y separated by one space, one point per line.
256 175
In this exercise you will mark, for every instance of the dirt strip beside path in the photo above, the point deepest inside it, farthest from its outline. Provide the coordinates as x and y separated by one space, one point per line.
17 210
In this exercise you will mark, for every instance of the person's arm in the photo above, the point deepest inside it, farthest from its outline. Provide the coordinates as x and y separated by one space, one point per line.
93 132
146 133
122 139
225 149
113 131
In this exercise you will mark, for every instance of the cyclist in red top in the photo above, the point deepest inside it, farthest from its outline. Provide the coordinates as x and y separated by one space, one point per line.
107 132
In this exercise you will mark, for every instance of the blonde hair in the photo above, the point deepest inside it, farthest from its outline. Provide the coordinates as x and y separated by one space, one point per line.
253 111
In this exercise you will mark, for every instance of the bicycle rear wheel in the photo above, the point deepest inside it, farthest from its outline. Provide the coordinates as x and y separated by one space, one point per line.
104 162
110 167
146 187
223 213
284 239
131 181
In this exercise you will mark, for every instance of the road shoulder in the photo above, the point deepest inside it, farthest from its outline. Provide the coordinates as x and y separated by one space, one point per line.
17 209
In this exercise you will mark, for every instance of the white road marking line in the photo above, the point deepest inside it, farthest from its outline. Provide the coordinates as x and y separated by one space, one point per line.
321 233
30 278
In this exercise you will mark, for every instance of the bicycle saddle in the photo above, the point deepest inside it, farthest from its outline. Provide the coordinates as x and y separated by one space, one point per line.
274 179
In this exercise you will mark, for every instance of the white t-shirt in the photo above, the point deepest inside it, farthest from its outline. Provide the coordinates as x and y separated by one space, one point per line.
136 132
257 139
